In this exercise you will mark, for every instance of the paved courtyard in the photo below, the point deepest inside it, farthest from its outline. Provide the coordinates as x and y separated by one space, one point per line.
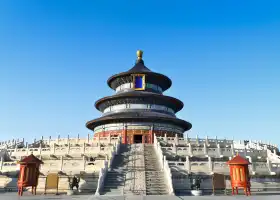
13 196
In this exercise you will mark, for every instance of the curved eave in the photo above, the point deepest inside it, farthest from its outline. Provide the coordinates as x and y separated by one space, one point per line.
174 103
159 79
121 119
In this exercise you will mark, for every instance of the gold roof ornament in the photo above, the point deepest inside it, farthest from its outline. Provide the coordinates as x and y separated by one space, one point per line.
139 54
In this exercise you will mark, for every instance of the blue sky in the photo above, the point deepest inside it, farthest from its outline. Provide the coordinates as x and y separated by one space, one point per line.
223 58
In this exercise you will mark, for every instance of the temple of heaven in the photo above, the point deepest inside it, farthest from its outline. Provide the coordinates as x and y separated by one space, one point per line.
138 109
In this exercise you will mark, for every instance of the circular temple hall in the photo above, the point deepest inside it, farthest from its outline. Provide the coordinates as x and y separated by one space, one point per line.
138 109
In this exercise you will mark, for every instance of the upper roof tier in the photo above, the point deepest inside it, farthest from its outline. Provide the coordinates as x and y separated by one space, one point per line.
139 68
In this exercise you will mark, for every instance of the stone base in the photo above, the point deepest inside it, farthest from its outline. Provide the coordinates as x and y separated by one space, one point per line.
196 192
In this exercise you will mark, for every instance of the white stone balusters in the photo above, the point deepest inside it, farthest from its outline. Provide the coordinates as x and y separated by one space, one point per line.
187 139
15 150
84 162
40 149
165 137
232 149
210 164
219 150
216 140
61 163
188 164
205 149
207 140
176 139
190 149
251 166
84 148
27 149
174 149
268 163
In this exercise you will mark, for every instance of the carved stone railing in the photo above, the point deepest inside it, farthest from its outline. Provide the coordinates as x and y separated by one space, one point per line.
107 167
164 166
61 150
101 179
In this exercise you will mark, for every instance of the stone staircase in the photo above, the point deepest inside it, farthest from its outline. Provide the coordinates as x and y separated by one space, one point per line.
115 179
155 181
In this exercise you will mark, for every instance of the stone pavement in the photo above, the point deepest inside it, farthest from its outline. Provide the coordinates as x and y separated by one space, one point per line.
13 196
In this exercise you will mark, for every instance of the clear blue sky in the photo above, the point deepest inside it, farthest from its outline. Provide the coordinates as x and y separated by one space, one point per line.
223 58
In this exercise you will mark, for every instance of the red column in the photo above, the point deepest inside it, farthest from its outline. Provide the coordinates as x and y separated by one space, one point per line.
143 139
124 136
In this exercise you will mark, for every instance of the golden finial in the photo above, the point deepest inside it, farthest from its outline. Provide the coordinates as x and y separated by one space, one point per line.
139 54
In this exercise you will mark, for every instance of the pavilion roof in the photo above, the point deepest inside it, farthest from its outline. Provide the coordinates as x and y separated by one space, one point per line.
238 160
30 159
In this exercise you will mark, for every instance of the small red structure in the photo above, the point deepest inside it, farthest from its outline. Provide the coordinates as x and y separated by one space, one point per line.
29 173
239 174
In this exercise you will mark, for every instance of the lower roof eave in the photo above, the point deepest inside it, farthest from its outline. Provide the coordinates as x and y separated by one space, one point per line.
106 120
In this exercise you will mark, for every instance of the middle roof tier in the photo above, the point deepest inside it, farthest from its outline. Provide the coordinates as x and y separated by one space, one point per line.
136 97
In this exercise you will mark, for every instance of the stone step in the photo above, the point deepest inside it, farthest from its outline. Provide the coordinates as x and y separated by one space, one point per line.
109 187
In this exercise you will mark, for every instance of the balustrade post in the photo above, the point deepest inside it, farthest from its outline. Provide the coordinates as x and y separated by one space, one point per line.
205 149
84 162
210 164
88 138
165 137
61 163
68 148
50 141
188 165
216 140
206 140
219 150
190 149
40 149
232 149
174 149
163 162
268 163
197 139
27 149
176 139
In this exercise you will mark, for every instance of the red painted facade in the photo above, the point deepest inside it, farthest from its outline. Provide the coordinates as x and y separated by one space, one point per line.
128 135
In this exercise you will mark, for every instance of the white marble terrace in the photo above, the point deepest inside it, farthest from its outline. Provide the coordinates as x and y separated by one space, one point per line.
206 156
91 157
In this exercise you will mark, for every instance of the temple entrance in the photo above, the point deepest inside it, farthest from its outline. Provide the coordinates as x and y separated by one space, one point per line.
137 138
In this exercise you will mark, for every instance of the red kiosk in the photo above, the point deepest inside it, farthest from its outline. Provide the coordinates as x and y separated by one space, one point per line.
239 174
29 173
